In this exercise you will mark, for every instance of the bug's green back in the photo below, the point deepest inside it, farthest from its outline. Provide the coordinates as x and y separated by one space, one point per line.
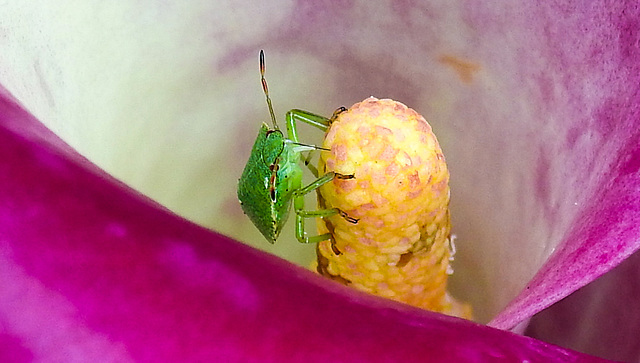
267 209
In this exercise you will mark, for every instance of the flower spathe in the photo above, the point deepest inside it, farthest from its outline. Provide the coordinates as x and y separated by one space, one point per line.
538 101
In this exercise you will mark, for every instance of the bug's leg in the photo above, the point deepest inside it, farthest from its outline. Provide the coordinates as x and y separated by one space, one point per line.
312 119
307 163
318 121
301 214
300 233
337 112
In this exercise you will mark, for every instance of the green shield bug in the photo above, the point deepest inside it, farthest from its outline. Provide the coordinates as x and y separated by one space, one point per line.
272 178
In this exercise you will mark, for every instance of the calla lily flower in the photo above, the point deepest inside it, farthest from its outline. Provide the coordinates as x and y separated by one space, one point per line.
125 125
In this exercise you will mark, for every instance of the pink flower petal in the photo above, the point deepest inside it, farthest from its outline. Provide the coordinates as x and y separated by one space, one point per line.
594 112
536 105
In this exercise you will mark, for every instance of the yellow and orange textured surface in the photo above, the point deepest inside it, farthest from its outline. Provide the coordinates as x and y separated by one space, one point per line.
401 246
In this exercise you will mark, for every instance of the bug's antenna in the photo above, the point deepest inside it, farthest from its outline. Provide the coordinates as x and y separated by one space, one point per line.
266 90
309 147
